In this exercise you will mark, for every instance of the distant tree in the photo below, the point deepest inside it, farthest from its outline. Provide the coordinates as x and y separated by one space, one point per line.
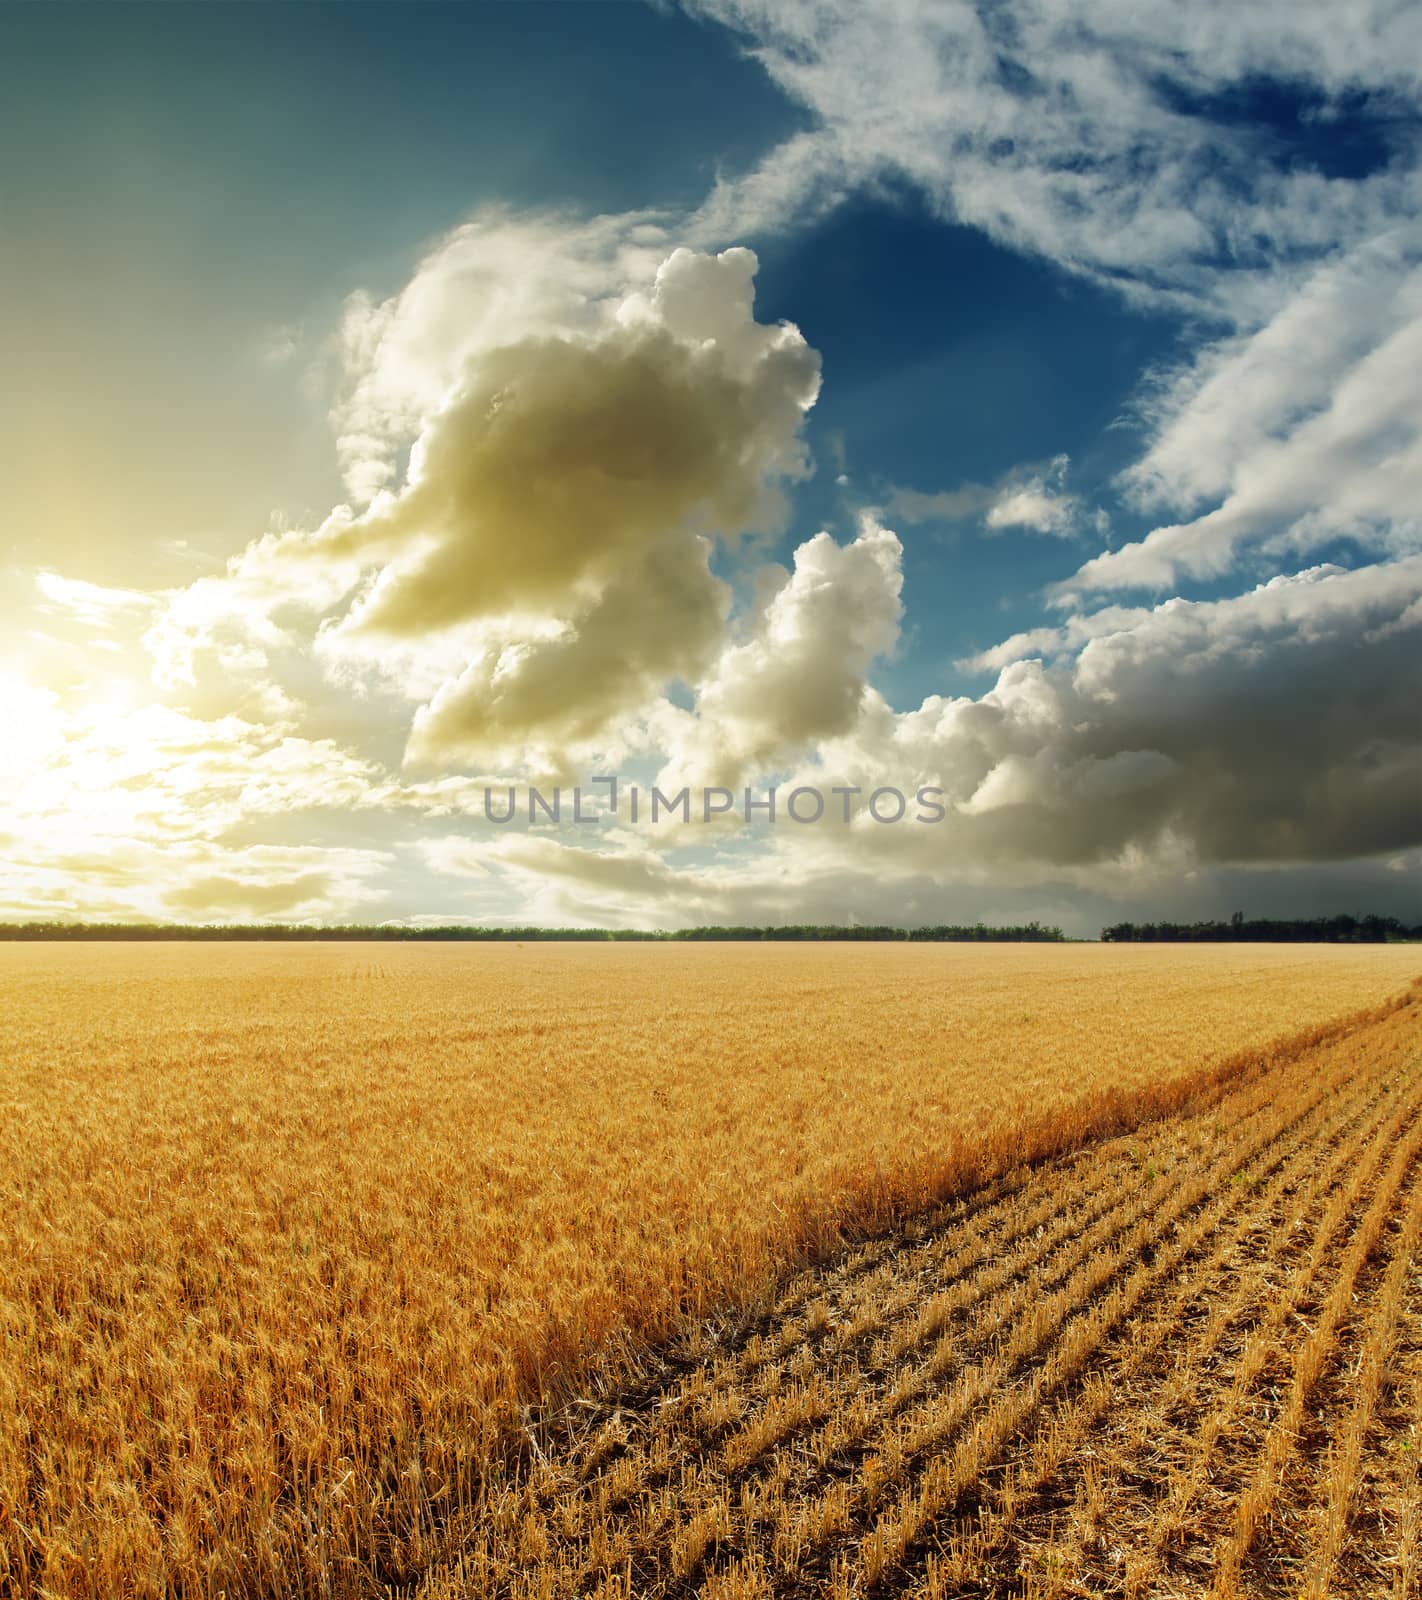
1371 929
463 933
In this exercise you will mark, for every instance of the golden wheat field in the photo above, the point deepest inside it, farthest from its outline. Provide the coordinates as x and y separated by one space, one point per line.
723 1270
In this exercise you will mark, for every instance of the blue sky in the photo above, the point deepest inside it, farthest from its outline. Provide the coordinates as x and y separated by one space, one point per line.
1089 343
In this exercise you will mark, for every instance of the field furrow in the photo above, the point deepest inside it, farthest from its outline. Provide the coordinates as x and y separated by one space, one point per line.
1102 1463
1091 1384
1400 1191
1006 1309
1336 1486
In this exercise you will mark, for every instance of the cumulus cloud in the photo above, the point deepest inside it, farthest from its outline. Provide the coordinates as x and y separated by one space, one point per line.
526 699
1277 725
802 675
562 459
498 279
1162 748
1291 711
560 456
543 570
1033 507
1050 640
218 642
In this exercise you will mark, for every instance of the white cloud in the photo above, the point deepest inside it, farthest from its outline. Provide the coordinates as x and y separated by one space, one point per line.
1109 140
1036 504
1034 498
279 345
90 604
1033 509
117 809
499 279
802 675
1280 724
1052 641
93 774
1164 748
1309 429
192 882
582 437
1070 130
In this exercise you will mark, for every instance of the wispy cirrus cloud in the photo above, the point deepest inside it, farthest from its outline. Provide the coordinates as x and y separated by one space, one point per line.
1180 157
1098 137
1305 431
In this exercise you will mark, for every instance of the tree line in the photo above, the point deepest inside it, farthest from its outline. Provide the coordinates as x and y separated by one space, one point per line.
1033 932
1258 930
1238 929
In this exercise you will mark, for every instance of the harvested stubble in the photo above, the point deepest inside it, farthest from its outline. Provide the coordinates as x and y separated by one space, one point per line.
1183 1362
292 1241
